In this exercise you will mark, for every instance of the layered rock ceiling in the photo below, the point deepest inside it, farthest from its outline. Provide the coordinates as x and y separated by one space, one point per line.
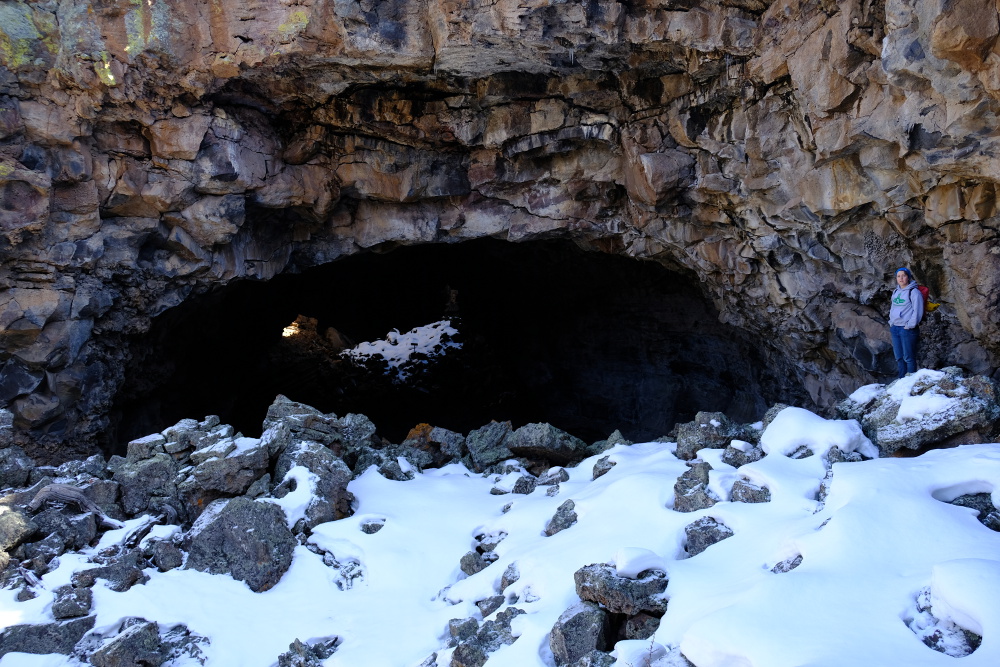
788 154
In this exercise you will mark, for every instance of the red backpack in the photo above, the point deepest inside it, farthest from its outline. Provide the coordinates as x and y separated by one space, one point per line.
929 306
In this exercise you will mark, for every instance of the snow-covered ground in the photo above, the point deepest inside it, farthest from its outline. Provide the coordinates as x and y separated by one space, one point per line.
884 536
402 352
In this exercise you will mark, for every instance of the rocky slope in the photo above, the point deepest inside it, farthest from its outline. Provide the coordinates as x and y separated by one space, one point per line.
788 154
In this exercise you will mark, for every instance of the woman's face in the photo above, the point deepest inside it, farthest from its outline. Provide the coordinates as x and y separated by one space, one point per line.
902 279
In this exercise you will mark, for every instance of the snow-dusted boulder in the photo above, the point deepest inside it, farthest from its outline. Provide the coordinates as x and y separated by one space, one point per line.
579 630
245 538
487 446
705 532
691 489
712 430
327 477
548 443
15 466
622 595
492 635
58 637
925 408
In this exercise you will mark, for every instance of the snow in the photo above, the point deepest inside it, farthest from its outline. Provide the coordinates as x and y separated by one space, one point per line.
866 393
883 535
397 349
793 428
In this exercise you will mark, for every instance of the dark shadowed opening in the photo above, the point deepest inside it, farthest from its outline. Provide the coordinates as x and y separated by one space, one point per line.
586 341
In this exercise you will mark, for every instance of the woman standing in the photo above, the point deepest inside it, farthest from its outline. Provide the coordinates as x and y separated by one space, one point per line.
904 316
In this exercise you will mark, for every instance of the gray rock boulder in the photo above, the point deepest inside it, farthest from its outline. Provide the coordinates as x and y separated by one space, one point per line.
245 538
552 476
300 654
603 467
474 562
486 445
232 472
562 519
71 602
59 637
739 453
475 651
74 529
926 409
745 491
489 605
140 481
329 476
580 630
986 512
705 532
691 489
15 527
546 442
120 571
641 626
711 430
137 643
15 467
601 583
288 421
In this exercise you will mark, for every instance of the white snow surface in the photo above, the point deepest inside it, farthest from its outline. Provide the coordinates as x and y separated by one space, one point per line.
881 537
397 349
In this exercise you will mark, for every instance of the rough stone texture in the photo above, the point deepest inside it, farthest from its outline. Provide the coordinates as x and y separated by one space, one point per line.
739 453
138 643
15 527
58 637
745 491
973 412
300 654
142 480
331 500
245 538
691 489
641 626
486 445
711 430
474 562
787 565
789 156
579 630
547 443
15 467
121 571
703 533
71 602
562 519
491 636
987 514
602 467
553 476
620 595
490 604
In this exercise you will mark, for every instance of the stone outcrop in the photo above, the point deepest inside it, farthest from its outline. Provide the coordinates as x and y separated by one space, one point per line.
925 409
788 154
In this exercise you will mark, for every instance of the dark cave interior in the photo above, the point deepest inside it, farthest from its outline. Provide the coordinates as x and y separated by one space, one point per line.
586 341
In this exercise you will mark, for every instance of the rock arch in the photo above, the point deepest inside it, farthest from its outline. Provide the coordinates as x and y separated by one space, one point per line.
789 155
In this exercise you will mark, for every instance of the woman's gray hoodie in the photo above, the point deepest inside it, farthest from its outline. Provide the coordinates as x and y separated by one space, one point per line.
907 306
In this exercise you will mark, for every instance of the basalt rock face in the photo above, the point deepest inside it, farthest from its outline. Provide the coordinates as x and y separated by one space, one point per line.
788 154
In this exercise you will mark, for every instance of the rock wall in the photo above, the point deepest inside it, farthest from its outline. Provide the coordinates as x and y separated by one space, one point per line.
788 154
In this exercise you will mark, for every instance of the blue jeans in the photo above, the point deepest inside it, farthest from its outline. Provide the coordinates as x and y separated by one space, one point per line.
905 345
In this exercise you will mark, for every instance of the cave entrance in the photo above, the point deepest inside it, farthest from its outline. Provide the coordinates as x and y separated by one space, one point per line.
586 341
